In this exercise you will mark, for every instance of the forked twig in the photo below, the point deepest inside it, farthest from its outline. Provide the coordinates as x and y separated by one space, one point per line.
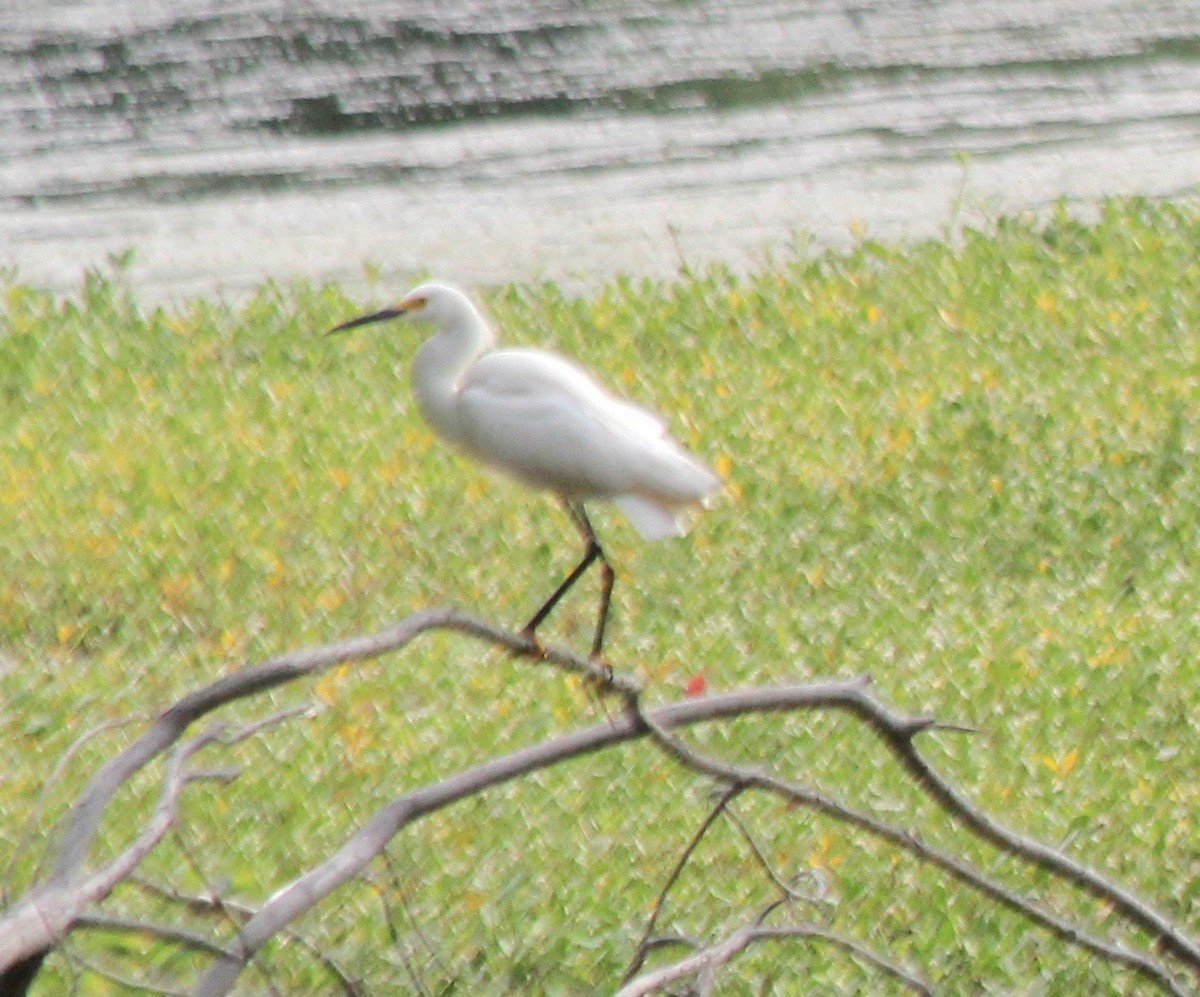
705 962
34 819
786 889
240 912
643 946
41 919
898 733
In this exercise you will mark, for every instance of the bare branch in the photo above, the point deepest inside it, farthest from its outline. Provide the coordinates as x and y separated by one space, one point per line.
125 982
1168 937
707 960
165 932
43 918
238 912
170 725
902 729
643 947
34 820
898 735
47 913
299 896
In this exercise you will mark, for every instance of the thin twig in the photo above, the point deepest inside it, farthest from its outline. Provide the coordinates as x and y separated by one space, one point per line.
787 889
707 960
639 954
90 965
34 820
903 728
239 912
389 917
413 921
256 727
194 903
166 932
163 818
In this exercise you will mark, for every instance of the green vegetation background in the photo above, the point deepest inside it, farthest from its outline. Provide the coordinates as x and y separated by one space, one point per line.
966 467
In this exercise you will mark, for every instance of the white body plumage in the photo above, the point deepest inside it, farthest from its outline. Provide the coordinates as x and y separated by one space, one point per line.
543 420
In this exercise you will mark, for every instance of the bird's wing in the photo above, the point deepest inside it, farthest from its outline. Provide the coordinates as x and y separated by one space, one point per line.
529 376
544 420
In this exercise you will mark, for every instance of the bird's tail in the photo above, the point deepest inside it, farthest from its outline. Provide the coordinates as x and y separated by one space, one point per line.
653 520
668 483
658 516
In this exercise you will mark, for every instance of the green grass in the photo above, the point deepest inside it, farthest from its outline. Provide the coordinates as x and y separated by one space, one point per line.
965 467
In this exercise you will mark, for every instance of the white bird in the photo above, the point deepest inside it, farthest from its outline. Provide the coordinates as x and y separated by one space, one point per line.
544 421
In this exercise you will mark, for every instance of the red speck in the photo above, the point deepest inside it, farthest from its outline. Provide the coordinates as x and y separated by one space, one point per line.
696 685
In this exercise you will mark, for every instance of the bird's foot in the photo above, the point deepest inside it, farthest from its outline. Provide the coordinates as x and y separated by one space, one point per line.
602 671
598 682
535 647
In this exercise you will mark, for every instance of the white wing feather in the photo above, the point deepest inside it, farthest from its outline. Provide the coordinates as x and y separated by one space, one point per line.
546 422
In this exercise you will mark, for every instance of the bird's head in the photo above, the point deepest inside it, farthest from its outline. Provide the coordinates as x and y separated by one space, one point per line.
436 304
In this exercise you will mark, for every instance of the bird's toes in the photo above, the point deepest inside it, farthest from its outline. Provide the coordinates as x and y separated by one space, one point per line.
534 646
602 675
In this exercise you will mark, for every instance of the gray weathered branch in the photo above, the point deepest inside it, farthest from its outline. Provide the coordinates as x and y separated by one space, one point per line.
40 920
898 731
303 893
706 961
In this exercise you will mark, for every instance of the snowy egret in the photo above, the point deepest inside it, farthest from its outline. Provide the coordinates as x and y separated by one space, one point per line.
541 419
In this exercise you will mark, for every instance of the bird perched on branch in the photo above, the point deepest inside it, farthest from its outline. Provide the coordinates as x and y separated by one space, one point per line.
544 421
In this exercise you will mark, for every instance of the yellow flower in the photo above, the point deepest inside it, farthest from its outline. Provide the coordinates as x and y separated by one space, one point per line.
330 599
1062 766
823 856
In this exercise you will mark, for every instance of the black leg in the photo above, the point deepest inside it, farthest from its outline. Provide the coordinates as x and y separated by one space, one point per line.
607 578
592 551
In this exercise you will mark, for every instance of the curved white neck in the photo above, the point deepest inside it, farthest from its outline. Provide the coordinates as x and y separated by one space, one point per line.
439 365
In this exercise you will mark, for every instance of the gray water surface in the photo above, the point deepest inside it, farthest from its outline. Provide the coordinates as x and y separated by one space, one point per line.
229 141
